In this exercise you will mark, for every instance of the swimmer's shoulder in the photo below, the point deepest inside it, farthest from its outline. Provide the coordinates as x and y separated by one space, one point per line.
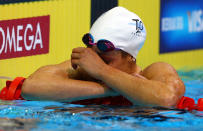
50 70
159 69
156 71
166 73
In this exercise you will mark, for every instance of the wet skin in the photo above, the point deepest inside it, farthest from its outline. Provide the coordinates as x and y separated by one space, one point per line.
158 84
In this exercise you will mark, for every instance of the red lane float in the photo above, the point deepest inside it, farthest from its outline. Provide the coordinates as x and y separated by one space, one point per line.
12 91
188 103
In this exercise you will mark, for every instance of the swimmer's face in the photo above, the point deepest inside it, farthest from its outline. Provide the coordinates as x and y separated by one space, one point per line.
113 58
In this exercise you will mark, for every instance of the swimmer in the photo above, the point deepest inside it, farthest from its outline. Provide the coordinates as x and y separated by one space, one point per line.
105 71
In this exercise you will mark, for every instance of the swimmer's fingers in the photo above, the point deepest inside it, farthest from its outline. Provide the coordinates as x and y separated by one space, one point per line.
78 50
75 56
75 61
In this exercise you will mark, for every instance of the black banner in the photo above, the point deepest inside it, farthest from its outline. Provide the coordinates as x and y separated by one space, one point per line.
2 2
100 6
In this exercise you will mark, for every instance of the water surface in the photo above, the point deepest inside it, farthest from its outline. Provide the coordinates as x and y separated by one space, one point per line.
52 116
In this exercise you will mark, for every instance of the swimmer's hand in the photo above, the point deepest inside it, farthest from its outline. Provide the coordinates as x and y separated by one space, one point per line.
88 60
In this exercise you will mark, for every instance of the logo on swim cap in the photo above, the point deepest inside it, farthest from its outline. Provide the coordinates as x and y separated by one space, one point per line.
139 24
139 27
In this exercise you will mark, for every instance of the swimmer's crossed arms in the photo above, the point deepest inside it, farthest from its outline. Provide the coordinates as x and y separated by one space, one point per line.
107 67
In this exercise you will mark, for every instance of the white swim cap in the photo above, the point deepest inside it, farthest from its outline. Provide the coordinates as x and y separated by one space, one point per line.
122 27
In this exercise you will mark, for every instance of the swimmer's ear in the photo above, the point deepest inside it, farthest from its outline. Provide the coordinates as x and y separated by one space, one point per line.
130 58
133 59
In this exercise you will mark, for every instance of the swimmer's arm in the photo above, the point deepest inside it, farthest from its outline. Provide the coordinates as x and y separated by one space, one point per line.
163 87
66 90
49 83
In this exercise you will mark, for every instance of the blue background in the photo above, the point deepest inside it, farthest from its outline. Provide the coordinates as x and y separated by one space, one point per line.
180 40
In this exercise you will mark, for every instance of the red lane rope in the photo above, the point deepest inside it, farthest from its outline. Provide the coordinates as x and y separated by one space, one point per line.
12 91
189 104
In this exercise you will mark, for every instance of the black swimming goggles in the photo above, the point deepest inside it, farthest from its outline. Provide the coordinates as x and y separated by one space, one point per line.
103 45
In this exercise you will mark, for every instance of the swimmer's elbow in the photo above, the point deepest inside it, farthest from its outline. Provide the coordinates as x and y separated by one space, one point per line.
169 100
27 90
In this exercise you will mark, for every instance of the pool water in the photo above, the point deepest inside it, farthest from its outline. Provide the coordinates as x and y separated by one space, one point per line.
56 116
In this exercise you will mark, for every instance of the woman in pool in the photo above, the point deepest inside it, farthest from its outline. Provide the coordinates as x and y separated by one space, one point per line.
106 71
